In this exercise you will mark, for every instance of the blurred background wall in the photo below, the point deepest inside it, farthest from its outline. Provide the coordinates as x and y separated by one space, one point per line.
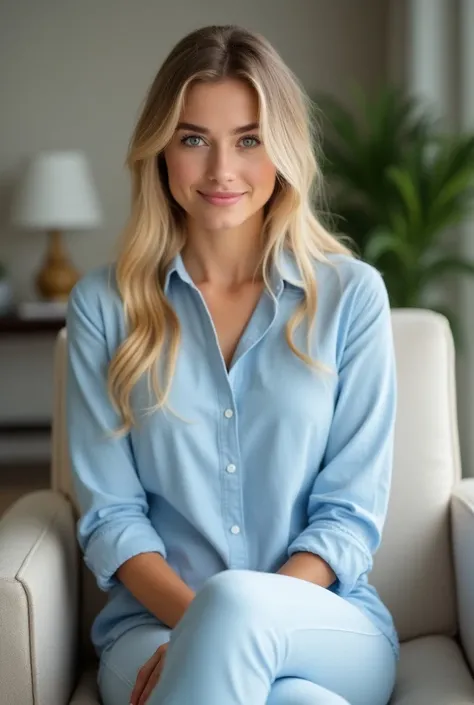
73 76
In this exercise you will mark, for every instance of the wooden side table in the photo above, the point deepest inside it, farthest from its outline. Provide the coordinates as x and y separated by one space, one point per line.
12 325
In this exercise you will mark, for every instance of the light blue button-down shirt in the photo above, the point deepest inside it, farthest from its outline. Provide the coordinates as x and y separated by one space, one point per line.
271 457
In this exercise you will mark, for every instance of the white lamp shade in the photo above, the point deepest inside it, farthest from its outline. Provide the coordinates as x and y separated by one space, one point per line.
57 192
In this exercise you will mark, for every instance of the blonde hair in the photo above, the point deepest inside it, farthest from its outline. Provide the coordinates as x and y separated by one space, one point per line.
155 231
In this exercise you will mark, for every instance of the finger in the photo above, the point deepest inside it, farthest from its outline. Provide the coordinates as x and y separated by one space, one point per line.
152 681
142 678
161 664
159 668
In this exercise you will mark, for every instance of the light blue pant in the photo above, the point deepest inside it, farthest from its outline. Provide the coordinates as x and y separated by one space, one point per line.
252 638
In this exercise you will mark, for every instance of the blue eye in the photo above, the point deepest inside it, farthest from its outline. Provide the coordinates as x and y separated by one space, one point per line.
251 138
187 143
248 142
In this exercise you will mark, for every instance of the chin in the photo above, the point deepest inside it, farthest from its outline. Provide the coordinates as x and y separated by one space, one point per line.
221 223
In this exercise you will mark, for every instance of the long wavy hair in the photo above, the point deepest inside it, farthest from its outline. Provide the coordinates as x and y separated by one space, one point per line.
156 228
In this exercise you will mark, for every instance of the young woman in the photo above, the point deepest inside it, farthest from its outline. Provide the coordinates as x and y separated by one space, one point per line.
231 403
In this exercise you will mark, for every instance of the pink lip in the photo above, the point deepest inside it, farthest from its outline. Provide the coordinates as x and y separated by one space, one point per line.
222 198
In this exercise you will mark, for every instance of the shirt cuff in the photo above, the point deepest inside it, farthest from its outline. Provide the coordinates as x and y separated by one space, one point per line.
114 545
342 550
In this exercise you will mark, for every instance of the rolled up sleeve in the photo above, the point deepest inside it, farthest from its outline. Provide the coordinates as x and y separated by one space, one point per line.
349 498
114 524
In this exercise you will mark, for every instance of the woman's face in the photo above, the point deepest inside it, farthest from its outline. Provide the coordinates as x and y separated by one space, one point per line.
217 150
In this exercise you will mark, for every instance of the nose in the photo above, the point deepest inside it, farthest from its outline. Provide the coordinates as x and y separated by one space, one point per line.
221 164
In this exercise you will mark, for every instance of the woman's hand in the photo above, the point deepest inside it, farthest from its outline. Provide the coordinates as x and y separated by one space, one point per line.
148 676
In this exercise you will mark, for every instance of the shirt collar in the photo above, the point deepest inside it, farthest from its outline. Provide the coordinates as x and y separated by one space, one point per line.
288 269
287 272
177 265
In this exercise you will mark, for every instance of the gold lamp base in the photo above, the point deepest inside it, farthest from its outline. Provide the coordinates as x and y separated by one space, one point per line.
57 275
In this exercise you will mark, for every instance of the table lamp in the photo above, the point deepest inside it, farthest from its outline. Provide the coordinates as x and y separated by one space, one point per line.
57 193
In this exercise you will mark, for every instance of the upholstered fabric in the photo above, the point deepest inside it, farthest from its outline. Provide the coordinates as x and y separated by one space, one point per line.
463 550
38 601
414 569
432 671
86 692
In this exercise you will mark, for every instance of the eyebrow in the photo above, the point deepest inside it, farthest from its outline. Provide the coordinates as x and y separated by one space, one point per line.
205 130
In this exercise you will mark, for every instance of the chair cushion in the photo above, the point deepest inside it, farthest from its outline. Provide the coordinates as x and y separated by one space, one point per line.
413 569
432 671
86 692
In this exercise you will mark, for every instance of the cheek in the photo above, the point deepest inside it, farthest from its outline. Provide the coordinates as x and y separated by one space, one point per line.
182 171
263 177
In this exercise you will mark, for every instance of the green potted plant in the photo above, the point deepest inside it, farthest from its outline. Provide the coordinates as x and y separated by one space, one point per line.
397 185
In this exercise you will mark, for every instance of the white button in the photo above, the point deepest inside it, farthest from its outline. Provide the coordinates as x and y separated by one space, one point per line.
228 413
235 529
231 468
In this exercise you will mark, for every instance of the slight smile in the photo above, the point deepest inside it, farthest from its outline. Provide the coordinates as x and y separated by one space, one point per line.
221 199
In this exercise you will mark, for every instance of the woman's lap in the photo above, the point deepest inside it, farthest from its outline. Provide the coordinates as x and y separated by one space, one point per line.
327 644
120 663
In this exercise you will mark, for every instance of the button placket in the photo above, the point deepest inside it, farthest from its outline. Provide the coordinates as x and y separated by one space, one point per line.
232 513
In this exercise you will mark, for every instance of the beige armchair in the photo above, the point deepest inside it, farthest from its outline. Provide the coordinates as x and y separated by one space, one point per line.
424 569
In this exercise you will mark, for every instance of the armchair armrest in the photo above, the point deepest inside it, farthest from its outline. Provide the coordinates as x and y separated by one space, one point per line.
463 548
38 601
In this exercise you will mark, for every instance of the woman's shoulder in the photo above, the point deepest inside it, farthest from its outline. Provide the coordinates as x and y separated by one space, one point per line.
97 292
347 276
98 281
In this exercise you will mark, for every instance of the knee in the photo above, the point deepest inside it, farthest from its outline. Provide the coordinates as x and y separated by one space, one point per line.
235 586
236 593
298 691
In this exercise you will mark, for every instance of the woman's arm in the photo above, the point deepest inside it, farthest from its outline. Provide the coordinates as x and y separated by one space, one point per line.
151 580
116 536
348 501
307 566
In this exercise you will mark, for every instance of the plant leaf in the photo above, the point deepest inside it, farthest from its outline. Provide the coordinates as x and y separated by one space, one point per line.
446 265
382 242
407 189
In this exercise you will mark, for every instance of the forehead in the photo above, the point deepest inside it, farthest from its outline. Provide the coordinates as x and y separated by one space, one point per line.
222 105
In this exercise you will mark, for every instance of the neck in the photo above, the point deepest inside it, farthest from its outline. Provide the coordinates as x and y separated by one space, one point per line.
224 259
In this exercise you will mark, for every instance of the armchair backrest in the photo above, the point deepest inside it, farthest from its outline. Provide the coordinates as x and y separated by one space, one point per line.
413 569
